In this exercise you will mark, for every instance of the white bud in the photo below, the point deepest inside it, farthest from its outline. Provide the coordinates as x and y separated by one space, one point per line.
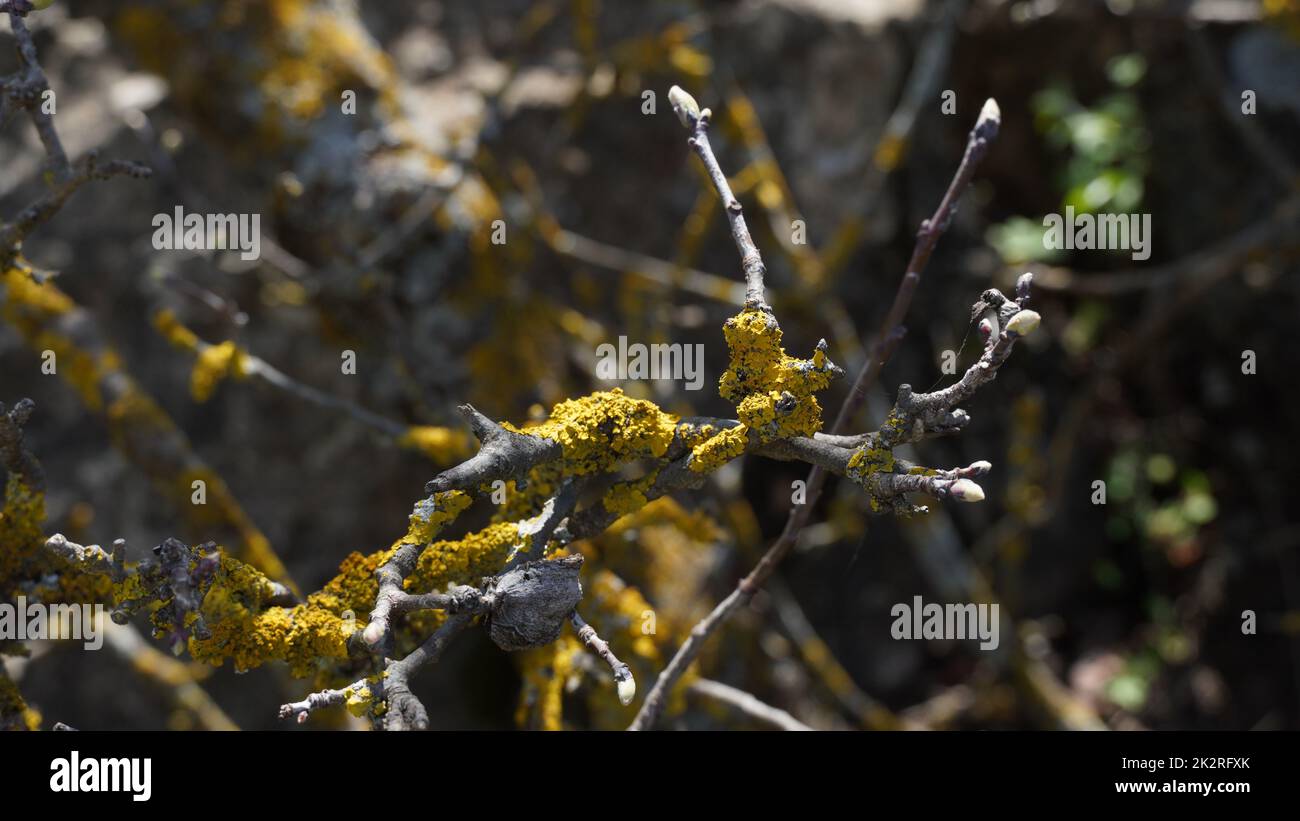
626 689
964 490
981 466
990 118
684 105
373 633
1023 323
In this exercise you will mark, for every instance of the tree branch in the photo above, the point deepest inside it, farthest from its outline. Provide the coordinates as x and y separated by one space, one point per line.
985 130
748 704
688 111
623 681
504 455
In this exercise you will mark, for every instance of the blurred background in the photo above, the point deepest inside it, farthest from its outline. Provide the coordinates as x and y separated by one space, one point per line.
850 117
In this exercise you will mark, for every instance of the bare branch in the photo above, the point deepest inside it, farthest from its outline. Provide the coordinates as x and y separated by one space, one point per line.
537 531
977 145
26 90
86 169
14 455
748 704
300 710
28 87
504 455
95 557
750 259
623 681
658 271
256 366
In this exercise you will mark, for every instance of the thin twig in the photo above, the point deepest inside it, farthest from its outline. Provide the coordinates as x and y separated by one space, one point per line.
26 90
623 681
817 655
751 261
157 666
256 366
658 271
985 131
748 704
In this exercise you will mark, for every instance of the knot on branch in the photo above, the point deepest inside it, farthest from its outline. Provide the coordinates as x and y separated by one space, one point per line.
531 602
524 607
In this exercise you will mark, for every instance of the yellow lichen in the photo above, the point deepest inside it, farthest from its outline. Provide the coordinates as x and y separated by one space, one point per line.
463 561
759 364
691 434
442 445
670 552
244 630
174 332
14 712
214 363
44 576
295 58
780 415
34 308
627 497
354 587
772 391
20 528
23 289
544 481
719 449
547 672
128 591
871 458
359 699
694 524
894 429
606 429
433 514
